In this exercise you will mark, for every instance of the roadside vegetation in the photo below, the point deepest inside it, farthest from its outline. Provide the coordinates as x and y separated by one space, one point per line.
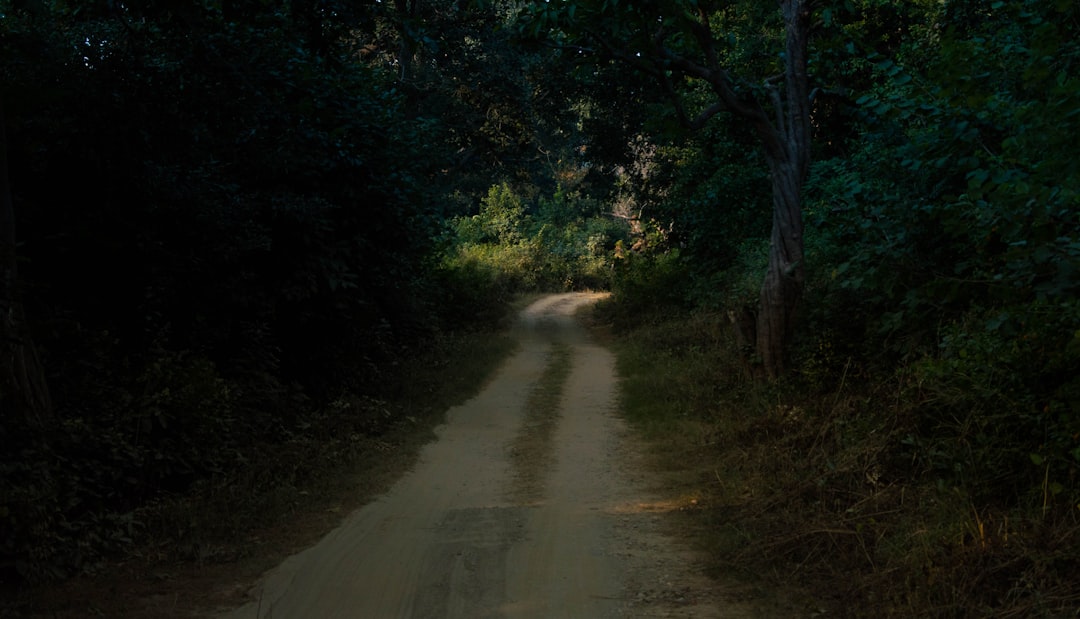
857 496
921 457
563 242
285 494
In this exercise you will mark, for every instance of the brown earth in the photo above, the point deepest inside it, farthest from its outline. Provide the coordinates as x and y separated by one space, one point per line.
512 512
457 536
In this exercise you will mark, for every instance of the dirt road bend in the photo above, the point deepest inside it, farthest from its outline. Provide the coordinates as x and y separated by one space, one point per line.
510 513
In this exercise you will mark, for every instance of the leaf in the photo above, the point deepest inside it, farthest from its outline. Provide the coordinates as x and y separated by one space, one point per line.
1036 459
976 178
995 323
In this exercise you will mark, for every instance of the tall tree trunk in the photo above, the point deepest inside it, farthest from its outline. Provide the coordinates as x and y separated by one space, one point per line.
787 149
783 125
24 394
782 288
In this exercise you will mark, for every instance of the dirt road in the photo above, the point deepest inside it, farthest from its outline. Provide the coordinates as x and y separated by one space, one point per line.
570 530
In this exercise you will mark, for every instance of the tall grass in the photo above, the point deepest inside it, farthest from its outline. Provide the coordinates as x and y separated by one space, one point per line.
817 486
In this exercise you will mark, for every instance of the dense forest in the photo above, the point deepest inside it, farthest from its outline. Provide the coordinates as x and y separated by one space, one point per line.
224 222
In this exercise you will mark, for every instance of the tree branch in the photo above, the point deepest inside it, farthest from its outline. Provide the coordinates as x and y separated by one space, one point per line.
796 19
778 105
663 60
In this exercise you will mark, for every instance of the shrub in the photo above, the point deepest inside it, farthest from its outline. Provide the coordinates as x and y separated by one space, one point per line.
999 408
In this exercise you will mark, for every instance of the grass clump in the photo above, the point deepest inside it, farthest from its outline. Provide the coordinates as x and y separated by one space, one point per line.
532 451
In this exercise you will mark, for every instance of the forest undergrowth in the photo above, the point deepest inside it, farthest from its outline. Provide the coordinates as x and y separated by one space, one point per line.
821 485
233 527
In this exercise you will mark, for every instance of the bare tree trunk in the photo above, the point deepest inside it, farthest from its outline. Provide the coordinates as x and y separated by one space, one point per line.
782 288
23 390
744 323
788 153
783 124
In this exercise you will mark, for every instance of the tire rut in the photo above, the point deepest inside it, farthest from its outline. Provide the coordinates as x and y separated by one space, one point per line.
532 452
529 505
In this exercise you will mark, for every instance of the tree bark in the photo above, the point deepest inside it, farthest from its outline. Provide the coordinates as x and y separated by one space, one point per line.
744 323
24 394
783 125
782 288
785 137
788 154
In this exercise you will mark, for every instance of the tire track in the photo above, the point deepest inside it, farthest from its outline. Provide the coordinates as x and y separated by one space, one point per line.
532 452
523 508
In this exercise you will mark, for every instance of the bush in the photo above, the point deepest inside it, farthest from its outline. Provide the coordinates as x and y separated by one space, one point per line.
472 288
1000 405
647 284
503 251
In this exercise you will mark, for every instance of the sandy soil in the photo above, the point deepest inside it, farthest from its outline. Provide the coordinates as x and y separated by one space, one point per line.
458 538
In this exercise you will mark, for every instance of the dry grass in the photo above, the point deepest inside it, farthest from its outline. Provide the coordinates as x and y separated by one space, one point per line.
817 491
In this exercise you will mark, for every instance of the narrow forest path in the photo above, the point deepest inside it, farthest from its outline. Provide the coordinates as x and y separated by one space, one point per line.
516 511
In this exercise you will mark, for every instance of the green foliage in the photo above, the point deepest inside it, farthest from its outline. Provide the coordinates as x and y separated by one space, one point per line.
982 145
942 277
501 215
882 511
950 238
1001 396
647 285
227 220
565 245
71 494
716 195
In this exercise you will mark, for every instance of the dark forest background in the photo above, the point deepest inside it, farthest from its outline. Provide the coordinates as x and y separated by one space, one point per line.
224 222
